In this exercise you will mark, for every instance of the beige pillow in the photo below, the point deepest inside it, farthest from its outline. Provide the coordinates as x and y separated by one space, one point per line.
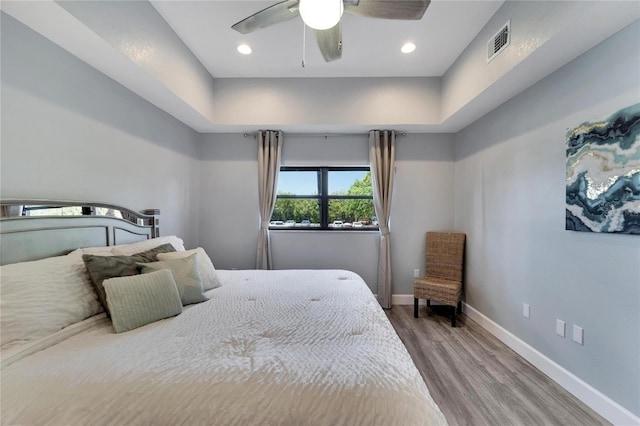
208 273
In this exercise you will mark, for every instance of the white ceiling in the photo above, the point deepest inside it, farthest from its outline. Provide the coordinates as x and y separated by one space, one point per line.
371 47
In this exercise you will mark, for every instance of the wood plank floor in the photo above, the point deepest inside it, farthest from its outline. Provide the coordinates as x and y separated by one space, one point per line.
477 380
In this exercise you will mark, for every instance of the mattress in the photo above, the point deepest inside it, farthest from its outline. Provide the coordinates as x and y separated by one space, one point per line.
267 348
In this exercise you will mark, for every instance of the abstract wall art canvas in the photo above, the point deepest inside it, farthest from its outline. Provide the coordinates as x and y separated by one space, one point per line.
603 174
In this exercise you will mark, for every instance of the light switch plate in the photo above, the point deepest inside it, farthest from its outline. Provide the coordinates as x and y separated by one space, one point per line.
526 310
578 334
560 328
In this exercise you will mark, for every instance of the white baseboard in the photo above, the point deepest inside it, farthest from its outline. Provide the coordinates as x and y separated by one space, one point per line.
404 299
407 299
600 403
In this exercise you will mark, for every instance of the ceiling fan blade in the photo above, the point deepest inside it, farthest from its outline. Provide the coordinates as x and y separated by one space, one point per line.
387 9
272 15
330 42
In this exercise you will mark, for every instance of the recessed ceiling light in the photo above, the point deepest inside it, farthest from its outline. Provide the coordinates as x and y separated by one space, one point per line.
244 49
408 48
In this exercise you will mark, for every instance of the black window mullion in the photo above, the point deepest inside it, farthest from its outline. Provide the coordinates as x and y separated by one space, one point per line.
297 197
324 199
349 197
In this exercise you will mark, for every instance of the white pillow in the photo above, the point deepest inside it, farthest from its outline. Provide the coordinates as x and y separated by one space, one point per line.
133 248
97 251
208 273
41 297
141 299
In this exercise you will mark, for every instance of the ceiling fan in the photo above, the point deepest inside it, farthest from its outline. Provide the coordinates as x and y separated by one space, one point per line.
324 16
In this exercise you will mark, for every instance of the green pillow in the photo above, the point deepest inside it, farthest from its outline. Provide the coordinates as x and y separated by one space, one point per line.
104 267
186 274
138 300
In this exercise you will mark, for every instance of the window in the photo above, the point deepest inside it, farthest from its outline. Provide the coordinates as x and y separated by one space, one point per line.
40 210
36 210
336 198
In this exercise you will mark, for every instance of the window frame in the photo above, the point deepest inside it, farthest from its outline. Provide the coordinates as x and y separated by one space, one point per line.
324 197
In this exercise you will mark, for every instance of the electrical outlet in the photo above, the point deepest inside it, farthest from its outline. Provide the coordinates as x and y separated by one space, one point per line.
525 310
578 334
560 328
416 273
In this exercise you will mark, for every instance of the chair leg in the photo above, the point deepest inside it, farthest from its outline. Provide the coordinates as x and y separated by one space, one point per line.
453 316
428 307
415 307
460 306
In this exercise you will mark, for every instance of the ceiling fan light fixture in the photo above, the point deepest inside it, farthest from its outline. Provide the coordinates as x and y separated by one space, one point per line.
244 49
408 47
321 14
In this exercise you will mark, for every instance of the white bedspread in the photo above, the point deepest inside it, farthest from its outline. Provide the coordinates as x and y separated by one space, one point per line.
268 348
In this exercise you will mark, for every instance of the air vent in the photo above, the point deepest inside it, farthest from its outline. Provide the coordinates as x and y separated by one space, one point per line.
499 42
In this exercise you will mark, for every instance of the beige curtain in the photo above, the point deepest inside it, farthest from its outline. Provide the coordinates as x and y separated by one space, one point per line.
382 154
269 153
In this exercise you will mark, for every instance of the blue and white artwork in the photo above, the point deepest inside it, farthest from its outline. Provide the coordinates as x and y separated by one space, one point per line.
603 174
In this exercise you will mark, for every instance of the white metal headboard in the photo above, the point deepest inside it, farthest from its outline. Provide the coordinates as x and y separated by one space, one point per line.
26 236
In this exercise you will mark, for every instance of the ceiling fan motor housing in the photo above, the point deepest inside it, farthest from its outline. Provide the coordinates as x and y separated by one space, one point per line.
321 14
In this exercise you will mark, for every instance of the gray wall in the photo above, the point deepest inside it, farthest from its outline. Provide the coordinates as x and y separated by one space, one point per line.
229 216
229 220
69 132
326 103
510 200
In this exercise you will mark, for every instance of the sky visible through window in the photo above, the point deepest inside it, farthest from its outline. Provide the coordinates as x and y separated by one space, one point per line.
305 183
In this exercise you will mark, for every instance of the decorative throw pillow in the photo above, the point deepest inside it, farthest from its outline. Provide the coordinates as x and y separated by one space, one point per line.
104 267
41 297
186 275
138 300
208 273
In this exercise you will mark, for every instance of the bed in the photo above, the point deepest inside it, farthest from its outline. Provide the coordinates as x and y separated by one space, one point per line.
289 347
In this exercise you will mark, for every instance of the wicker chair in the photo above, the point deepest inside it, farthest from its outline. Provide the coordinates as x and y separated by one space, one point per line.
444 272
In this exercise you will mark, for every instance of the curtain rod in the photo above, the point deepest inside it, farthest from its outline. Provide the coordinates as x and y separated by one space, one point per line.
325 134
